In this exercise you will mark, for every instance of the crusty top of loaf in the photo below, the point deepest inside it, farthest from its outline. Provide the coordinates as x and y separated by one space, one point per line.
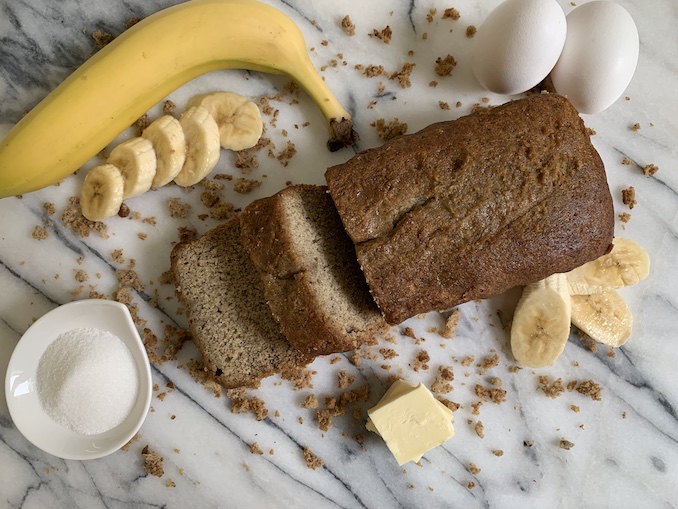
311 276
227 313
467 209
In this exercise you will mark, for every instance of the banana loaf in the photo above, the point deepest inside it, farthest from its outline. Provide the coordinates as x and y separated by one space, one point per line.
229 320
470 208
311 278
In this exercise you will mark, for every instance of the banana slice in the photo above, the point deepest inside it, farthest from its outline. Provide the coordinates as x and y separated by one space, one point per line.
202 145
625 265
239 120
136 161
604 316
167 137
541 323
101 193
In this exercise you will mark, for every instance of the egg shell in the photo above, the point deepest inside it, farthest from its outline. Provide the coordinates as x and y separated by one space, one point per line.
518 44
599 57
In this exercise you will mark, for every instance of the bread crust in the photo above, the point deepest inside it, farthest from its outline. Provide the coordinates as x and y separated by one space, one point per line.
291 278
470 208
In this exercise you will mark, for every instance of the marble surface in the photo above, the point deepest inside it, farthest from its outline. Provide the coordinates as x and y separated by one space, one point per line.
626 444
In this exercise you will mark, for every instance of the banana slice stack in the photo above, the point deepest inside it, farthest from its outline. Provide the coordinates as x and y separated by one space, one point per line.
184 151
585 297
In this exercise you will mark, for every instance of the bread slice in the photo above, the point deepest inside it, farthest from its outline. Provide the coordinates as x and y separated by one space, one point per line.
229 320
470 208
312 280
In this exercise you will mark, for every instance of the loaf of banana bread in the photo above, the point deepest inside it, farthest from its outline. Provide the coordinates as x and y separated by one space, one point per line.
467 209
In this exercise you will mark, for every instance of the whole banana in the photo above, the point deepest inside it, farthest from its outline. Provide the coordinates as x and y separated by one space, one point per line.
121 82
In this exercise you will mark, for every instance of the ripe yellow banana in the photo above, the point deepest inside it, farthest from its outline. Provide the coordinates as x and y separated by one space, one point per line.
145 64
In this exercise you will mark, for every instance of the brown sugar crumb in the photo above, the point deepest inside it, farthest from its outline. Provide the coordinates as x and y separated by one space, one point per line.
49 208
391 130
347 25
488 363
650 170
40 233
450 404
552 390
565 444
152 462
388 353
473 469
345 380
635 127
591 389
244 186
494 395
467 361
498 452
284 156
372 71
443 105
102 38
310 402
421 360
479 429
444 66
178 210
471 31
246 161
240 403
78 224
451 13
383 35
254 449
629 197
312 461
403 76
624 217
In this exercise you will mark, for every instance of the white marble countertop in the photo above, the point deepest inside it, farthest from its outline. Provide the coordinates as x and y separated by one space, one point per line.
626 444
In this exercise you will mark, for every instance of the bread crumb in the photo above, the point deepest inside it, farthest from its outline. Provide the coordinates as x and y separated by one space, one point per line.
101 38
624 217
443 105
246 161
488 363
81 276
178 210
565 444
449 404
391 130
310 402
245 186
132 440
552 390
473 469
421 360
170 483
471 31
254 449
479 429
451 13
312 461
494 395
591 389
347 25
284 156
574 408
467 361
430 14
635 127
444 66
403 76
626 161
498 452
40 233
388 353
650 170
383 35
240 403
49 208
629 197
344 379
152 462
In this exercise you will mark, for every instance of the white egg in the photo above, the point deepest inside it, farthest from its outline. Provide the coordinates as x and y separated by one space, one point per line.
599 57
518 44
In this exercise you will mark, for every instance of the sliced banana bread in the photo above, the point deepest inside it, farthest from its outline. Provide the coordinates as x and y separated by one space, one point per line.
229 320
312 280
467 209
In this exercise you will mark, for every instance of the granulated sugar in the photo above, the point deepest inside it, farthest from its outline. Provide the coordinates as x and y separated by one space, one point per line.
87 380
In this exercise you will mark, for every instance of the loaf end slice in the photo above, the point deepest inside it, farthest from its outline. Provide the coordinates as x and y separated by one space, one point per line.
308 265
229 320
467 209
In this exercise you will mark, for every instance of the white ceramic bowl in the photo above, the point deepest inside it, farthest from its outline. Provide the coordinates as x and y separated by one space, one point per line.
21 386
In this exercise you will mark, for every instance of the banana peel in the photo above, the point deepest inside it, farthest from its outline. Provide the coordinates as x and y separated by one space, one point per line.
121 82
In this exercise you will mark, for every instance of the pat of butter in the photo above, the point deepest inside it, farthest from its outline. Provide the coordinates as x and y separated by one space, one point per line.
410 420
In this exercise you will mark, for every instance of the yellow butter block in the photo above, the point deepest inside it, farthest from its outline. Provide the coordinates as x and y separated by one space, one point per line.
410 420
